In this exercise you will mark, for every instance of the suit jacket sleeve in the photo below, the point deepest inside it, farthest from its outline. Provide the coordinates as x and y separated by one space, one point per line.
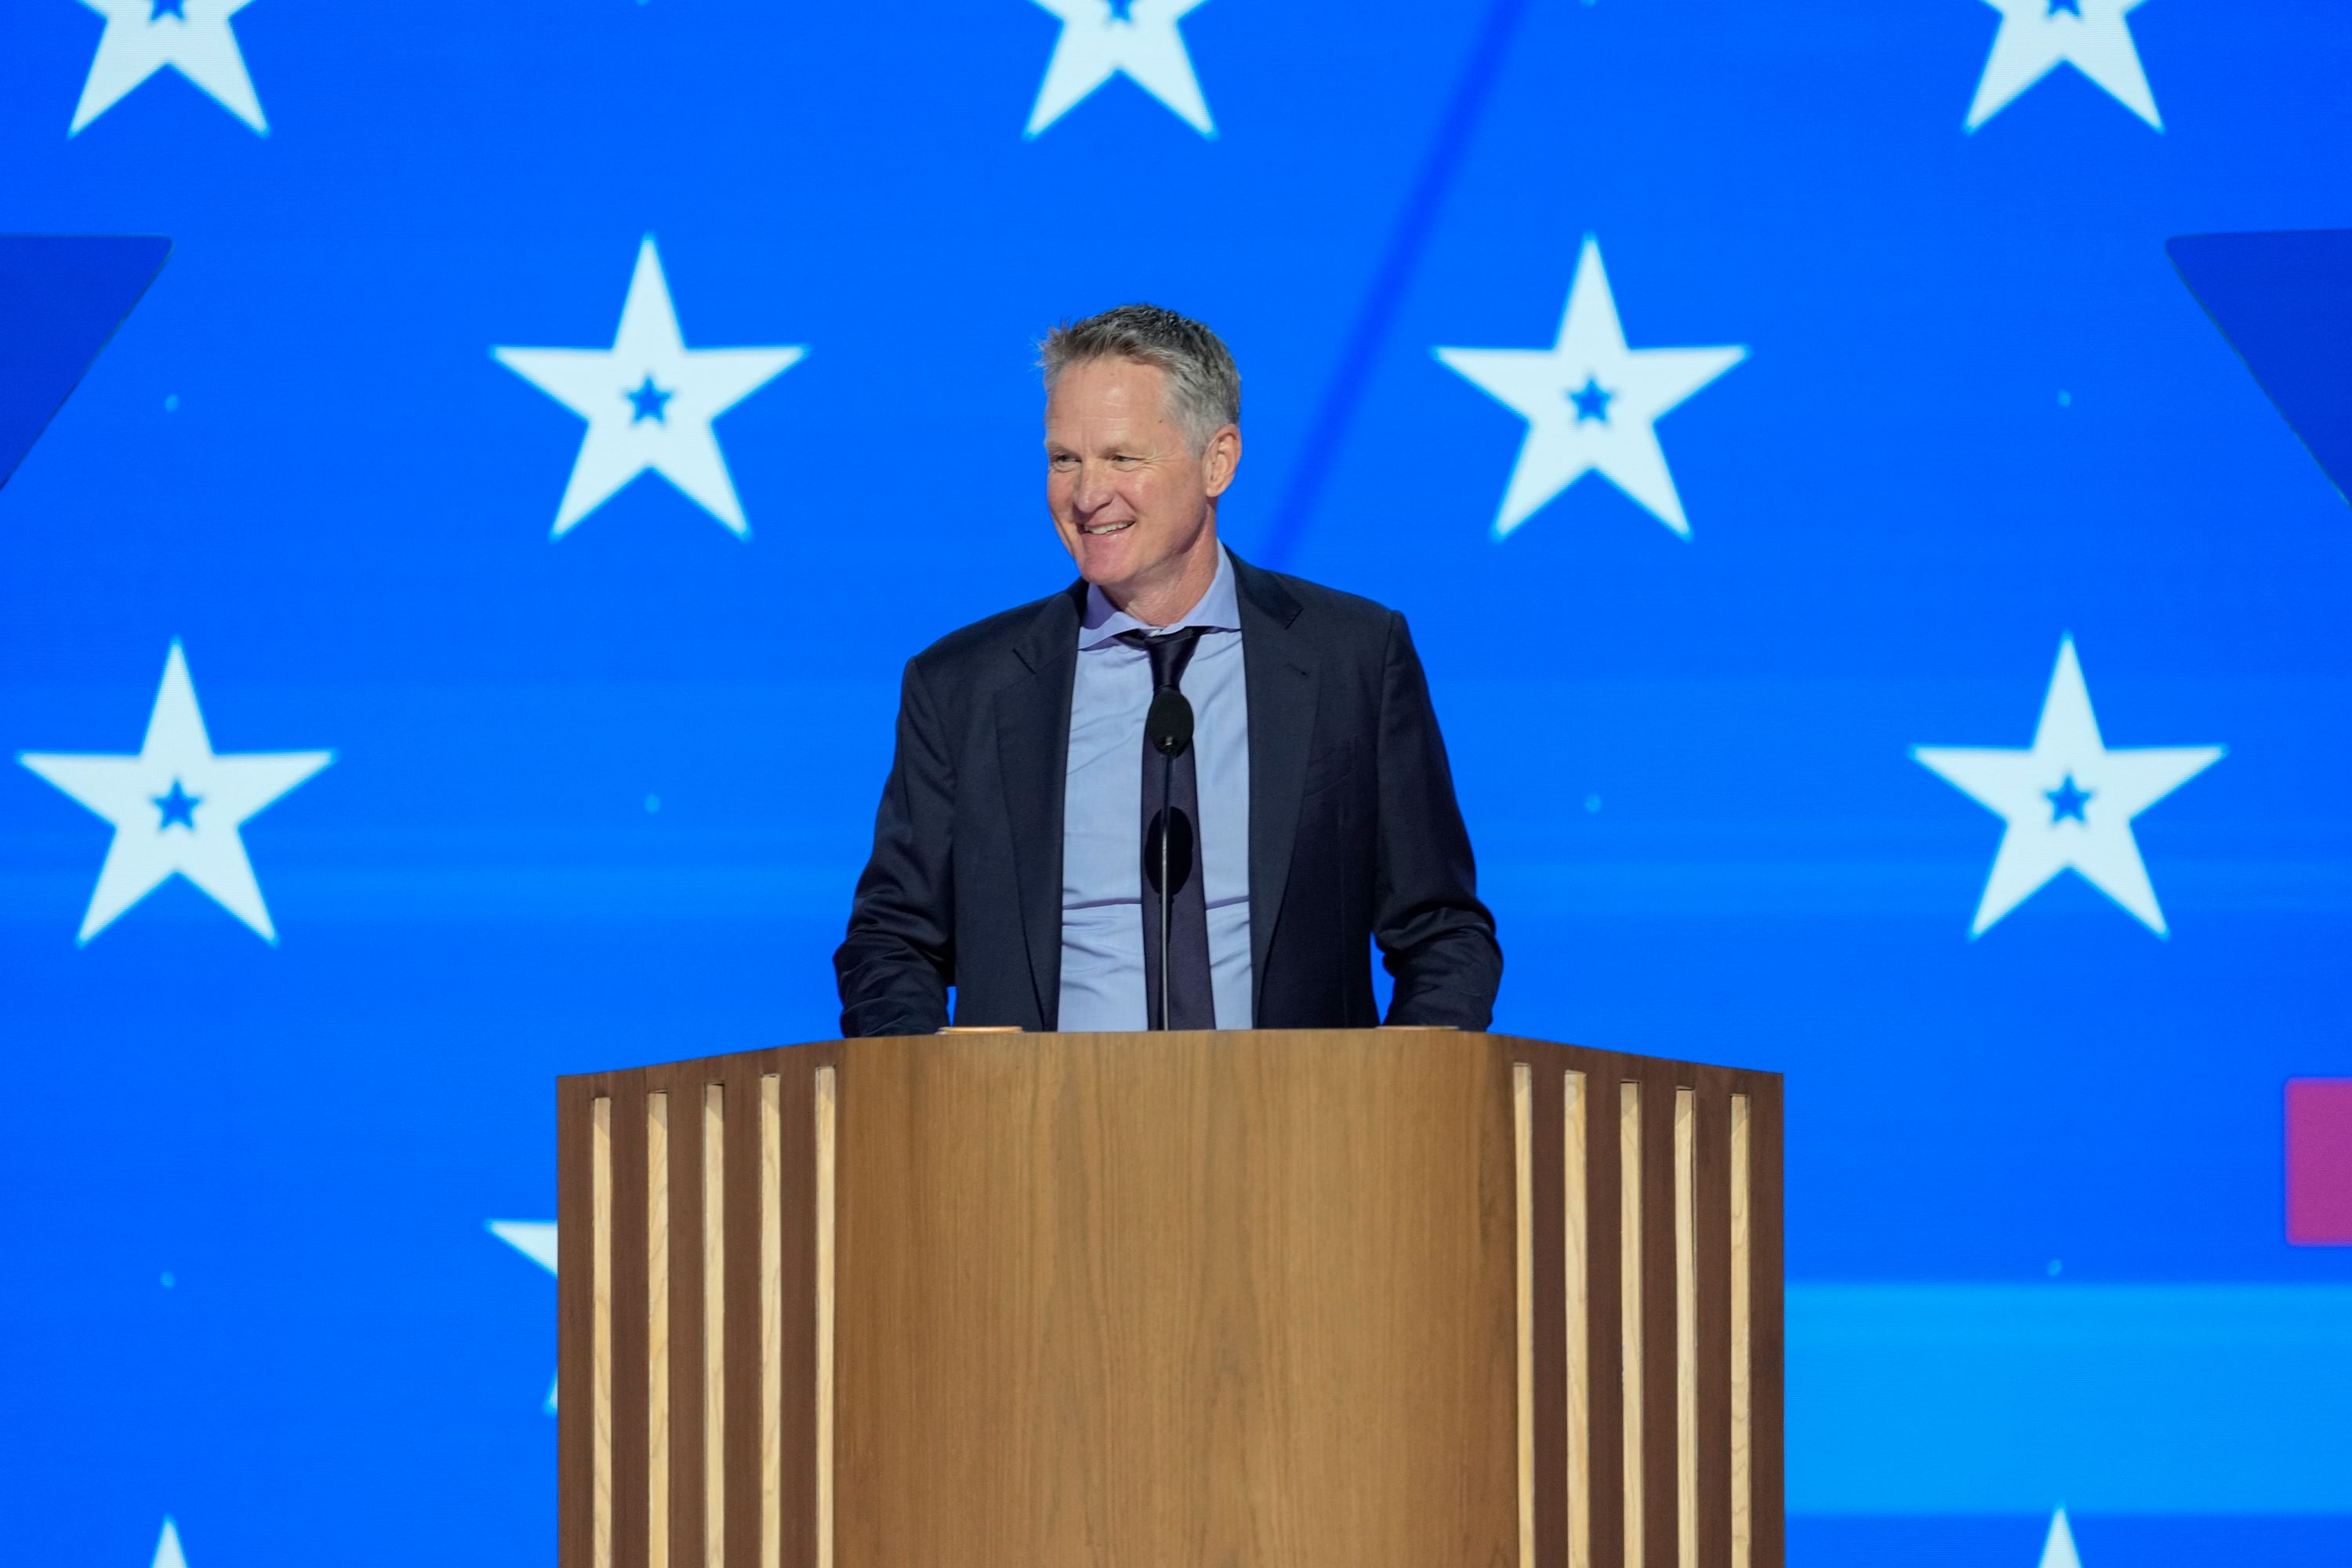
1436 937
895 966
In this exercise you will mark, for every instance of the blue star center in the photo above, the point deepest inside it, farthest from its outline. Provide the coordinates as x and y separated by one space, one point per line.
1591 402
2068 800
162 8
649 401
2072 7
1119 9
178 807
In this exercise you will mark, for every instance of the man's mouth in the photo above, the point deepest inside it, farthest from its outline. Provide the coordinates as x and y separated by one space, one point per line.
1098 530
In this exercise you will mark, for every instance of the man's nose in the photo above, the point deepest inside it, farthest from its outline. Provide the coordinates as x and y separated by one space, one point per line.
1095 489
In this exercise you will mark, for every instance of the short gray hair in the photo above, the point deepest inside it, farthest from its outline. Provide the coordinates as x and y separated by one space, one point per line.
1203 386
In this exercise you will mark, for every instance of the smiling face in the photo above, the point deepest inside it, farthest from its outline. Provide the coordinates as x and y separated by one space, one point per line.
1135 507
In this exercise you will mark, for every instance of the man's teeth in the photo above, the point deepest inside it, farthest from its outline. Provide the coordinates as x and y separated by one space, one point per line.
1109 527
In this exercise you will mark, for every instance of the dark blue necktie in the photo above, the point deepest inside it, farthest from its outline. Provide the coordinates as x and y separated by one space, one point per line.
1171 802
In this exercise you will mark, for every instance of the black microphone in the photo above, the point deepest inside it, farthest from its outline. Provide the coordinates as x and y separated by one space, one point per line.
1169 728
1169 725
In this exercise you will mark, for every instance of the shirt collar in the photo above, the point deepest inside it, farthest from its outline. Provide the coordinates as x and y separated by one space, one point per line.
1219 610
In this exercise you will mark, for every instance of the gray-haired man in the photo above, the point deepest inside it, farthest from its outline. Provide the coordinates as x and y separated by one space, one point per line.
1016 853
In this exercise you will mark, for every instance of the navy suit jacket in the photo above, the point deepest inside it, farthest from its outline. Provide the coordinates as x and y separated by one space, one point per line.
1355 837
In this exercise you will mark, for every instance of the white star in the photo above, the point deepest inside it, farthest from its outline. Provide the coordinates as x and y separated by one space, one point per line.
2037 37
649 401
535 1239
176 806
192 37
167 1549
1591 403
1098 42
2058 1549
2069 801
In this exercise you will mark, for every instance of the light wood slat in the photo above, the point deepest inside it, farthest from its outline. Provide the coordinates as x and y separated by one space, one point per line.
1686 1328
1523 1170
714 1326
1743 1408
657 1330
771 1321
1629 1276
600 1350
827 1118
1576 1221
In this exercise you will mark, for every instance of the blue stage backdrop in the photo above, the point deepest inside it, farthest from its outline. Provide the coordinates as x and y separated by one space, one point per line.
1882 630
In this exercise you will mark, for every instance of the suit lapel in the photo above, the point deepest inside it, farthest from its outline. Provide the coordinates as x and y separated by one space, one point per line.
1281 685
1032 749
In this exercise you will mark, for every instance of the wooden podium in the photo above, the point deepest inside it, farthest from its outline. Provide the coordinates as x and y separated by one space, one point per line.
1347 1299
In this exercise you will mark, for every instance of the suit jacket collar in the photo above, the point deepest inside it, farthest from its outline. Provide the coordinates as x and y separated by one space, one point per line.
1280 679
1032 740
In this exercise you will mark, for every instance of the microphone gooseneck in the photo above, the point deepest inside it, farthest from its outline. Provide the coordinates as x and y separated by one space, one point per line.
1169 728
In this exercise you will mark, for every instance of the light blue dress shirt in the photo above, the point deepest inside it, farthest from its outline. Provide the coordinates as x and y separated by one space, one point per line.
1102 818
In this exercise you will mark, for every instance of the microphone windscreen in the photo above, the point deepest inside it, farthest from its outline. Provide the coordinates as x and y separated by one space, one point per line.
1169 725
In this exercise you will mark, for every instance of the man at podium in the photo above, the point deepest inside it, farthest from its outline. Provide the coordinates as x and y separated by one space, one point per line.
1182 793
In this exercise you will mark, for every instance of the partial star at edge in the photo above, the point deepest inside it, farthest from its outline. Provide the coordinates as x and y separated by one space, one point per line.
1591 404
2068 800
1098 43
535 1239
2058 1546
649 401
167 1548
176 807
193 38
2037 37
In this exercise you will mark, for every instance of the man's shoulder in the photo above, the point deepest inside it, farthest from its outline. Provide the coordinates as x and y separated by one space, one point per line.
1314 609
971 648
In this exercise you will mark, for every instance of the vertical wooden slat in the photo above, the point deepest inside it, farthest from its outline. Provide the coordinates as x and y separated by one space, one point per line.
1767 1125
1659 1460
1714 1239
1630 1318
686 1293
1523 1274
591 1407
714 1325
795 1199
659 1412
1686 1328
771 1321
1576 1228
827 1107
1742 1399
1604 1298
632 1391
746 1362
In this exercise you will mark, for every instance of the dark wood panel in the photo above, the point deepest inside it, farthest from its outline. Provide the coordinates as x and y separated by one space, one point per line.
629 1337
574 1324
739 1076
684 1083
1604 1074
1770 1467
1713 1238
1659 1422
1551 1308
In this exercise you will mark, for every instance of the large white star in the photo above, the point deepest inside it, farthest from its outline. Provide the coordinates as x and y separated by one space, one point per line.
167 1549
2058 1546
176 807
1591 403
2069 801
535 1239
2037 37
649 401
192 37
1101 38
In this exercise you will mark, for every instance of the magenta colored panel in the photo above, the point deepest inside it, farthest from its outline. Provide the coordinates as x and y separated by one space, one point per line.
2319 1161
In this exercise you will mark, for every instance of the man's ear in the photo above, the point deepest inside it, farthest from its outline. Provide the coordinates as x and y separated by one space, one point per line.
1222 459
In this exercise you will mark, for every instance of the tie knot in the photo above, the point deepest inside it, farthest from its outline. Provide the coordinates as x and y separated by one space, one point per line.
1169 653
